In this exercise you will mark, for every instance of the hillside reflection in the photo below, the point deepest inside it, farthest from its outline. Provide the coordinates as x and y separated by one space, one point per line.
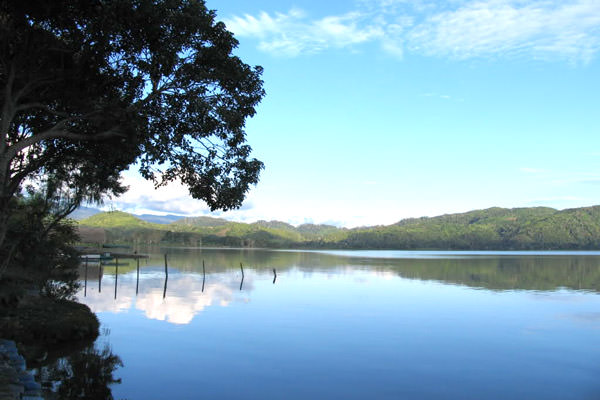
191 289
510 272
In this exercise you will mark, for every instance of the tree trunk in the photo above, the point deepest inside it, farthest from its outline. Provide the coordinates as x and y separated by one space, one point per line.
5 198
5 251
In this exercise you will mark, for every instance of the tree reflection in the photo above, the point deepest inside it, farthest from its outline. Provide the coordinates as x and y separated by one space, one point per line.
86 374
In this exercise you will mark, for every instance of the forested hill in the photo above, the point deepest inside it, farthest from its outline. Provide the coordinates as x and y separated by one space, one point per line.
490 229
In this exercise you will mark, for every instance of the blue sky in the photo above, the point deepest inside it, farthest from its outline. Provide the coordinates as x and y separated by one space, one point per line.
379 110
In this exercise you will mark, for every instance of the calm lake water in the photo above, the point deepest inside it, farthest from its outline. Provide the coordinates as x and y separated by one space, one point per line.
352 325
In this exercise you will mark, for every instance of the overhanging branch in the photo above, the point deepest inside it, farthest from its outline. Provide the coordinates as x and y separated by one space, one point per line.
8 108
41 106
57 133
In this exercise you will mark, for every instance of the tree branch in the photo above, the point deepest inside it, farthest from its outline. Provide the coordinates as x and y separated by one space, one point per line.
44 107
31 85
7 108
60 215
57 132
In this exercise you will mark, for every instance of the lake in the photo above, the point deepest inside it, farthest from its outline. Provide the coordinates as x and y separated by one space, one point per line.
352 324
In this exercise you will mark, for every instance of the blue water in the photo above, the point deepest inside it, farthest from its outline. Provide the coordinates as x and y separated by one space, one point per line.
335 326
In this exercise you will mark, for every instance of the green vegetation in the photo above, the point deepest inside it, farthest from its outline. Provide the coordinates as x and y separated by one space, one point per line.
41 321
39 247
118 219
536 228
90 88
38 286
201 221
491 229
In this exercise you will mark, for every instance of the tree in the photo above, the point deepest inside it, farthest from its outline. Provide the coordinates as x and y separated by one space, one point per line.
39 240
90 87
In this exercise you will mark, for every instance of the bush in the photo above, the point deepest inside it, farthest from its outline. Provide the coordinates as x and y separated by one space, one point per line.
39 248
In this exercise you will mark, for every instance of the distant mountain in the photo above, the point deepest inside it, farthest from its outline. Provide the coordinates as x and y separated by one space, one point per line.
495 228
84 212
116 219
159 219
200 221
494 215
491 229
274 225
316 232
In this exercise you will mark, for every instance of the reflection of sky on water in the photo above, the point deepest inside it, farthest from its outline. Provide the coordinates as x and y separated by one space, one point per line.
340 328
184 297
589 318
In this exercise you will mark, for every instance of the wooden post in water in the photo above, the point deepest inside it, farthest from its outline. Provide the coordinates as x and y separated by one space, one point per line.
242 282
166 270
274 276
99 278
166 277
165 290
137 281
116 274
203 276
85 284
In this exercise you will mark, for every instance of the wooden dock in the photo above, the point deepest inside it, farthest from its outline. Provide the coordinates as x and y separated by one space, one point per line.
92 256
133 255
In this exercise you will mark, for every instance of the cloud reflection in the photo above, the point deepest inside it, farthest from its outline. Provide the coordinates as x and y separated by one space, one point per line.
184 298
187 301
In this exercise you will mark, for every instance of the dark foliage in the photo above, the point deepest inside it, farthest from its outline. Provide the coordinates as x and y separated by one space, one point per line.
89 87
39 243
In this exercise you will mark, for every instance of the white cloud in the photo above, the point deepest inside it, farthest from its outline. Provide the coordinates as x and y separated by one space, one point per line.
542 29
293 34
143 198
496 28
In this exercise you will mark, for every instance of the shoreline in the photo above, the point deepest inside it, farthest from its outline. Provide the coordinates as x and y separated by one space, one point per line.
15 381
31 330
40 322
